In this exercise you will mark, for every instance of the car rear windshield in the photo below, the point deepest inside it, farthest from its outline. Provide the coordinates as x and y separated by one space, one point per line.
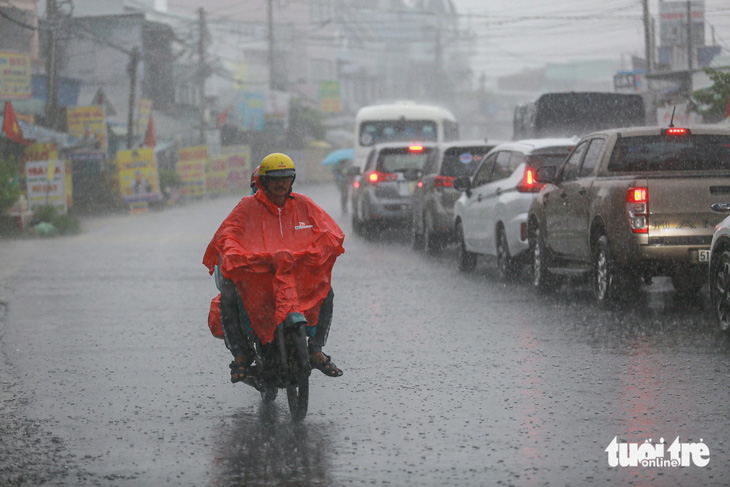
551 156
671 153
462 161
402 160
381 131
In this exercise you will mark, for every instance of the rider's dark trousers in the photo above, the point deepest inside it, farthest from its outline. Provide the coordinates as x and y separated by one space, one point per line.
235 337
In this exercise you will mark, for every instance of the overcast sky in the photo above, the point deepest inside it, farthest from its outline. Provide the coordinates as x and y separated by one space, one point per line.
520 34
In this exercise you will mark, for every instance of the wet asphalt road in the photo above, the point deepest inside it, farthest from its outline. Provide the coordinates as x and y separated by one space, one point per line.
109 375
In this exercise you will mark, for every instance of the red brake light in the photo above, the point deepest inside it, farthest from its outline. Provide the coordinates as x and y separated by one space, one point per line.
676 131
443 181
528 183
415 148
637 209
636 195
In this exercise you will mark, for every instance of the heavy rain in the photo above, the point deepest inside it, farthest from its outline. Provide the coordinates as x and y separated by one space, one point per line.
535 284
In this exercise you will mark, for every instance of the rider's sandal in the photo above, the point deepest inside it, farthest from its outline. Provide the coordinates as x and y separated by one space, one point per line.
239 371
327 367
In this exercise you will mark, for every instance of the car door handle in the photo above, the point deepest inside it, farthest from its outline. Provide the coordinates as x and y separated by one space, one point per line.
720 206
479 198
499 191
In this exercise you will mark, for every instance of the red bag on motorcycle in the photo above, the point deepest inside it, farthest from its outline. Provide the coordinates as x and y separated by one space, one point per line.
214 317
280 259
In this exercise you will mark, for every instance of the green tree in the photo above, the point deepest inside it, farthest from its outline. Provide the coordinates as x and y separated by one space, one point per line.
9 189
712 102
304 122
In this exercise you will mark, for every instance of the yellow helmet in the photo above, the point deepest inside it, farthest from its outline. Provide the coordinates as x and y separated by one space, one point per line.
277 165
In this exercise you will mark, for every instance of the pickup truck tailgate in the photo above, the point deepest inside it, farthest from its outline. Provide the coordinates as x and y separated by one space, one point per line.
680 210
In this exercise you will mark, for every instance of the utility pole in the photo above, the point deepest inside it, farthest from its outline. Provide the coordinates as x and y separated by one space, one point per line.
132 71
202 72
270 14
689 48
51 67
689 36
648 44
438 89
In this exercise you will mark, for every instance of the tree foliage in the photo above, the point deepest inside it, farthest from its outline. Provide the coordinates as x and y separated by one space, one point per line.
712 102
305 122
9 189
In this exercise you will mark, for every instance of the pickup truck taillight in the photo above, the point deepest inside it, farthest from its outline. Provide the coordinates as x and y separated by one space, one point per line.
637 209
528 183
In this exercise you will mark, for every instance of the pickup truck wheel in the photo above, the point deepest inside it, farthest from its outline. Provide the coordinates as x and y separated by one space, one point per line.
542 280
506 265
604 273
467 260
689 283
720 289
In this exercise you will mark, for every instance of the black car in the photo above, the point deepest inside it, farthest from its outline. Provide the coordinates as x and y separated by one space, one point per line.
434 195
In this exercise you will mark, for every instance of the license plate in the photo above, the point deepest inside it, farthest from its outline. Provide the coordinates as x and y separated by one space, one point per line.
703 255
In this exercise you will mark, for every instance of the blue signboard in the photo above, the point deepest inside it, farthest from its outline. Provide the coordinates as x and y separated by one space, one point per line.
251 111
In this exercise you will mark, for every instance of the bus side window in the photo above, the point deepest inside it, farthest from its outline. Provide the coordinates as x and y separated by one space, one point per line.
451 130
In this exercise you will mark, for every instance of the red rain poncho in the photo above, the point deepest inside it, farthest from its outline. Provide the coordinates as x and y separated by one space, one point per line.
279 258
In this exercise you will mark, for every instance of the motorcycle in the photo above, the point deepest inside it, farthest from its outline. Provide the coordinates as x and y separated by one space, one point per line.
283 364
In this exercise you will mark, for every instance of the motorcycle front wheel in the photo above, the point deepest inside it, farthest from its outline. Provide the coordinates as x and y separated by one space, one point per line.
297 392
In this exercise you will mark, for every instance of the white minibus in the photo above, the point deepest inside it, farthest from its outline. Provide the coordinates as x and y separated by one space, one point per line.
402 121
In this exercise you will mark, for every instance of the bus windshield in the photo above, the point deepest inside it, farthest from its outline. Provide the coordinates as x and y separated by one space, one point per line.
380 131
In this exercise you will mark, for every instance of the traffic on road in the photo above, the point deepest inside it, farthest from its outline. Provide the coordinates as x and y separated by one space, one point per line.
111 376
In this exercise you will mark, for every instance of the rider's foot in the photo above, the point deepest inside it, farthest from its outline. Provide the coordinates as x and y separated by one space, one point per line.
323 362
239 368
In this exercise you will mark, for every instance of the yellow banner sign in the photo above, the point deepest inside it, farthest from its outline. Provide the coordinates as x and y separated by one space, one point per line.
88 123
138 177
191 162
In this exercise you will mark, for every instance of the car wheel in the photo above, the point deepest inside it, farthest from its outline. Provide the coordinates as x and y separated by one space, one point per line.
689 283
434 242
417 240
366 224
467 260
542 280
356 221
506 265
720 289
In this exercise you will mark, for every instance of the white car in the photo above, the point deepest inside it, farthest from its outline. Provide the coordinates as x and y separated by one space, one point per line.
490 217
719 281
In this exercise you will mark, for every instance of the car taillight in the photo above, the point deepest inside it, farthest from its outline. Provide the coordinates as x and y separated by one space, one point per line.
637 209
376 177
356 184
443 181
528 183
676 131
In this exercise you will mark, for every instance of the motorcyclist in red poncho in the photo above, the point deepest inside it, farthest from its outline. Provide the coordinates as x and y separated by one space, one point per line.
274 255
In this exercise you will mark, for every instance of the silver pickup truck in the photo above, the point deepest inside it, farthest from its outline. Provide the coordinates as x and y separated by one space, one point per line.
630 204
